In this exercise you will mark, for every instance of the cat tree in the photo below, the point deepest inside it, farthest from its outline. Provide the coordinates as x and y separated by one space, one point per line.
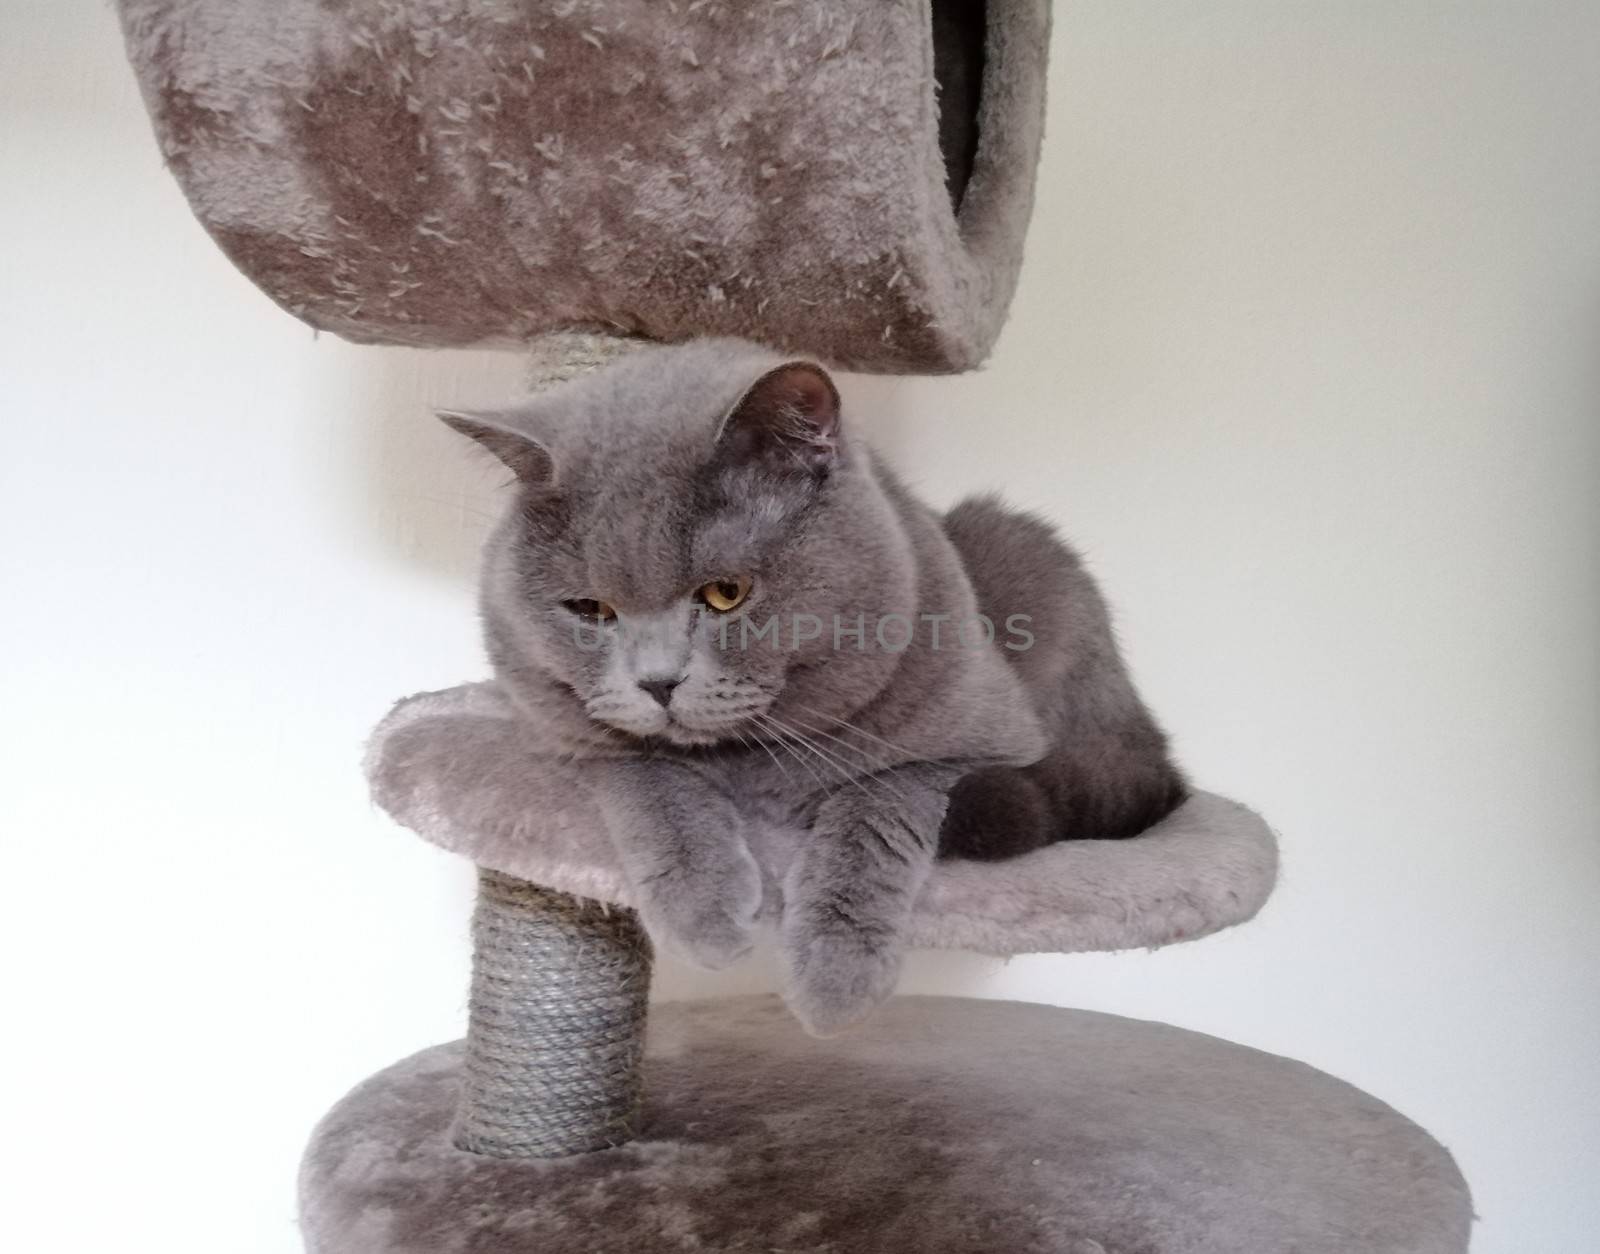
851 179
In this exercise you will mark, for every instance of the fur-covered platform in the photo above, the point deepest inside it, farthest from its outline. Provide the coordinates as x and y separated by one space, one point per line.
459 768
943 1126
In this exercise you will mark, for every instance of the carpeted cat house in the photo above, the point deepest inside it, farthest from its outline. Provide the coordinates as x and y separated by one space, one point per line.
849 179
434 173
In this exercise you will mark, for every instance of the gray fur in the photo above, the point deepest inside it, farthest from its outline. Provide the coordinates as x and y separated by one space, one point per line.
678 467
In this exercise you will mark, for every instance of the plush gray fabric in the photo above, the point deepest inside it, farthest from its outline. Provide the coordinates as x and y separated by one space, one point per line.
944 1126
442 173
453 767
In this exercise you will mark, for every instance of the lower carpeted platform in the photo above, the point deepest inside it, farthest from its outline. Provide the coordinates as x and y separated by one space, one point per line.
943 1126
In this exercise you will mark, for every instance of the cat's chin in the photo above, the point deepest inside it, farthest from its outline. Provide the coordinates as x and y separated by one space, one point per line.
696 737
679 735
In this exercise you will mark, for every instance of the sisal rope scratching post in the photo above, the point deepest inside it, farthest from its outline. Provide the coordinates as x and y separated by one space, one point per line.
562 355
556 1020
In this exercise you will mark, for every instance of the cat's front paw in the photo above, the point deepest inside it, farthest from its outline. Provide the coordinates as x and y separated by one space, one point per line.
705 916
834 976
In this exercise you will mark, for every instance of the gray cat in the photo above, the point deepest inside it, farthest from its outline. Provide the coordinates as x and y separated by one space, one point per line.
720 605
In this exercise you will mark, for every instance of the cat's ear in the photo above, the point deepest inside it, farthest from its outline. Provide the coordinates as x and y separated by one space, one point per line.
789 418
508 437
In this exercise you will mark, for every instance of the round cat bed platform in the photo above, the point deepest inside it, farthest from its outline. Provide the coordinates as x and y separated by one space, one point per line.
943 1126
453 766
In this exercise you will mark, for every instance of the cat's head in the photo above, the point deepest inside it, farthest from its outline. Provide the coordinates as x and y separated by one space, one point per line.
692 530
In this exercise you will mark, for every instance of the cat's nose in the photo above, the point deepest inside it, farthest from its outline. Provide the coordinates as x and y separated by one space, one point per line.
660 689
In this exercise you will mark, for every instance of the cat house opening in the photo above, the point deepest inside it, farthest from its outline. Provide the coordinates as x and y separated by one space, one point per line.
959 33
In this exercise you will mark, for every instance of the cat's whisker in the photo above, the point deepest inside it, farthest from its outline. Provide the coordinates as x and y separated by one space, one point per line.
877 774
767 749
875 761
783 735
846 770
860 731
790 747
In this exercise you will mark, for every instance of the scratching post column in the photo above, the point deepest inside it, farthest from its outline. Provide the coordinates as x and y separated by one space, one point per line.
559 356
556 1023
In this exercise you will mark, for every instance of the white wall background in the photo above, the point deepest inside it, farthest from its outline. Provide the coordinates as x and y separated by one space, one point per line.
1306 357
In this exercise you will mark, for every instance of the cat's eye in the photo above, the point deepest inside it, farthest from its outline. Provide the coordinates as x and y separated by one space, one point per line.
594 611
723 595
